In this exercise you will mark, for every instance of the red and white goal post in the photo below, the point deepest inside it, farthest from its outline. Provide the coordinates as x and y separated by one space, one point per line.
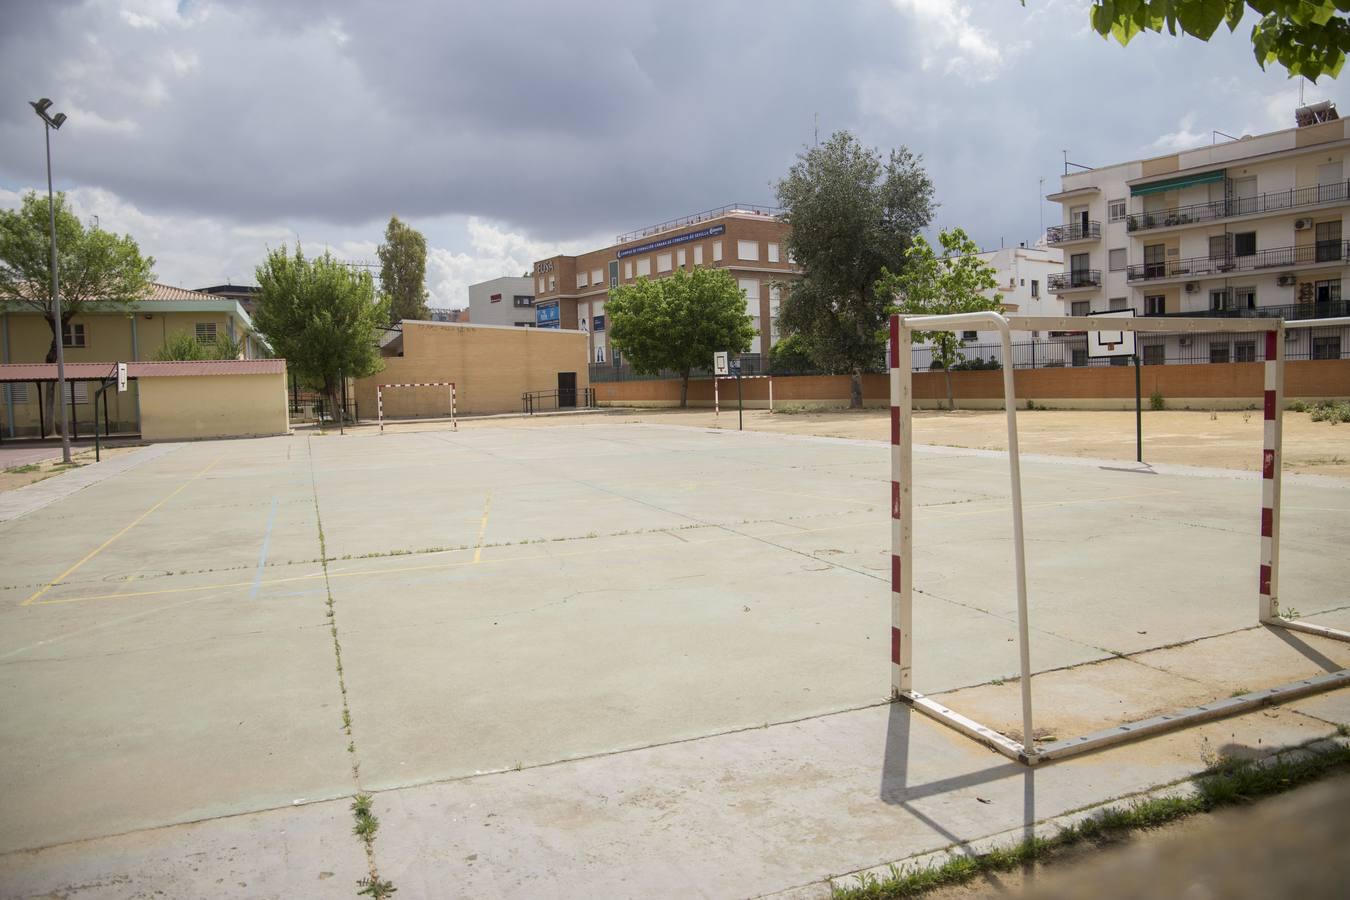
902 507
717 402
381 388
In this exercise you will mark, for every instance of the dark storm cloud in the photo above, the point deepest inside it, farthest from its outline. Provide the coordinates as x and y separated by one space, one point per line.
564 119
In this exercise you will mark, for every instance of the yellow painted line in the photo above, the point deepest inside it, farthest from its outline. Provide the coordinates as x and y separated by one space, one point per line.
132 524
482 528
398 570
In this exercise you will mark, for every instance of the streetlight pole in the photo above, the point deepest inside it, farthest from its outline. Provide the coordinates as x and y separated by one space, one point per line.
49 123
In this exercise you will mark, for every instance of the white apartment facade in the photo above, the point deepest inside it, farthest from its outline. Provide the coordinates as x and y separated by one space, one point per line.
503 301
1023 276
1252 227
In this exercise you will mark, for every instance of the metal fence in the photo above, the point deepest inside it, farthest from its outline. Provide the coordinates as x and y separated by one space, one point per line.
532 402
1065 350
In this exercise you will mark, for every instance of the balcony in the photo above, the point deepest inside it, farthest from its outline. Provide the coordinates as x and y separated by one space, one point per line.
1312 309
1075 280
1320 253
1058 235
1216 210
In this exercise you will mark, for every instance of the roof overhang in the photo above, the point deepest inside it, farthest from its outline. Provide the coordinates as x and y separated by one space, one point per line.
1074 193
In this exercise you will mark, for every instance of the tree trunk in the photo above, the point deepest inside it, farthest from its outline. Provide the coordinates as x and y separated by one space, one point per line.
855 397
684 389
951 398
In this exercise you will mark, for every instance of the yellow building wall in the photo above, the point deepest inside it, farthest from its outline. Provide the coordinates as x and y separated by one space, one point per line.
108 339
213 406
491 368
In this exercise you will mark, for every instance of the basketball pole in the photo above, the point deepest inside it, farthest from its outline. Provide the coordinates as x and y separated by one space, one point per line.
1138 415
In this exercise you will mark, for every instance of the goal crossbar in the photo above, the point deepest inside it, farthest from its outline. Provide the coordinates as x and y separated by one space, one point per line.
902 506
717 403
381 388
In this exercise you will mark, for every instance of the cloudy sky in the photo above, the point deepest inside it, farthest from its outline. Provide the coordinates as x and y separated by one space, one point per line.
510 130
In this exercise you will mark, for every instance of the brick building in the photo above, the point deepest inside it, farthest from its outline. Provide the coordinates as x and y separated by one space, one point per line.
570 291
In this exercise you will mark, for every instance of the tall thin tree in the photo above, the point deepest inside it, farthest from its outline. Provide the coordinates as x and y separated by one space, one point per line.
403 271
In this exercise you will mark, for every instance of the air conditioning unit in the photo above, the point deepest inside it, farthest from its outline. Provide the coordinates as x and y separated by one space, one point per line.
1185 341
1286 281
1192 287
1303 224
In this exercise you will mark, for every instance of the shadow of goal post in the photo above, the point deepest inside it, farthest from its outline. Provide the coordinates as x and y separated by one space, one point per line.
902 535
379 398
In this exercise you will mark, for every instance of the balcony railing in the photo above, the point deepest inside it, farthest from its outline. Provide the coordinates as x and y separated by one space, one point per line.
772 212
1312 309
1076 278
1076 231
1275 201
1276 258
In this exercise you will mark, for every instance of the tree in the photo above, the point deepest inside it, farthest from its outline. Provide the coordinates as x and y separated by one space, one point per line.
98 270
184 346
321 316
852 215
791 356
958 281
403 271
1307 37
679 322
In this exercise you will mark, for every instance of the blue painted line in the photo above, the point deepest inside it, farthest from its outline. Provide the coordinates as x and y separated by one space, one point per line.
262 557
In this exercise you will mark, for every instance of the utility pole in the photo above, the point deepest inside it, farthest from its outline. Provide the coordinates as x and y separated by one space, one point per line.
50 123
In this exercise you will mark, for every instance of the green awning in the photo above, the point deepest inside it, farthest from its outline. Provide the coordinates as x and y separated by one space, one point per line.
1183 181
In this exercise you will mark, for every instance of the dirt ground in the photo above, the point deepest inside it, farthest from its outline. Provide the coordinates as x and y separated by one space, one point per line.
14 477
1226 440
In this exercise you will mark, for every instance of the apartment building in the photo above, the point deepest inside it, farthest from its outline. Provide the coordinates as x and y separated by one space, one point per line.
1250 227
570 291
503 301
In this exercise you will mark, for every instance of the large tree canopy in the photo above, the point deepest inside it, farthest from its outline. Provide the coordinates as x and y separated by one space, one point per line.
957 281
1307 37
97 269
403 271
678 323
321 316
853 216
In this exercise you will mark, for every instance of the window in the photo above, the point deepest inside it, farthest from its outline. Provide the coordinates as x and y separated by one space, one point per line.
747 250
680 257
1244 196
1080 308
773 253
17 392
600 354
1118 303
1155 305
1155 260
717 251
1326 347
628 270
1079 357
1115 211
598 322
539 285
663 262
1219 299
1154 354
969 335
698 255
581 280
597 277
206 332
1244 298
72 335
1327 291
495 298
644 267
552 282
1218 351
1329 241
1244 351
1116 259
616 357
522 300
524 324
1218 246
1244 243
79 390
1024 282
614 273
1035 288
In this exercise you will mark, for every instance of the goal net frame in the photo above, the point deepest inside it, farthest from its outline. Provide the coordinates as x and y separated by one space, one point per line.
902 502
717 403
379 398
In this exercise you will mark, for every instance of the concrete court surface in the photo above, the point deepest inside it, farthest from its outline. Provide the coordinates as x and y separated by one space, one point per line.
508 599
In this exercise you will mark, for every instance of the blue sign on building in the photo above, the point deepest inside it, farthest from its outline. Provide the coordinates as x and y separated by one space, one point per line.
699 235
547 316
